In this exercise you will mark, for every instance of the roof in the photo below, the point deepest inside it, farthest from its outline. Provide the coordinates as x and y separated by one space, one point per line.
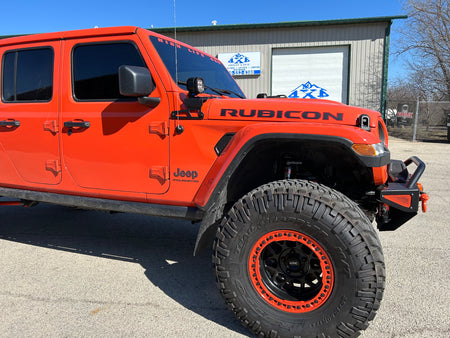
288 24
68 35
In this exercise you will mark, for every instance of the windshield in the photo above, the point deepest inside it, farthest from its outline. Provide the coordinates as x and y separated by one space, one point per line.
192 63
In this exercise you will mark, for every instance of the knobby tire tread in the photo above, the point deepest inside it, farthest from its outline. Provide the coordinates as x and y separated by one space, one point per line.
348 222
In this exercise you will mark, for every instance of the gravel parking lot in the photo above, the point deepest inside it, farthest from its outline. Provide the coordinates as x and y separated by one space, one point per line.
66 272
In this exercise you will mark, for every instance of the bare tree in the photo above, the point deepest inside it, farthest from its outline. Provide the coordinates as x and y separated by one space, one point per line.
426 38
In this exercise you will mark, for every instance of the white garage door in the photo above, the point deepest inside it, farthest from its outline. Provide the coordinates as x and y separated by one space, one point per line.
315 73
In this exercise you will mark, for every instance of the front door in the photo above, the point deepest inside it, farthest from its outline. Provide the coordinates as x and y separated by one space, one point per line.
111 143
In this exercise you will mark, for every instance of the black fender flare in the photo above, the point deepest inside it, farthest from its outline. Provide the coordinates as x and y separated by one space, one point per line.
216 202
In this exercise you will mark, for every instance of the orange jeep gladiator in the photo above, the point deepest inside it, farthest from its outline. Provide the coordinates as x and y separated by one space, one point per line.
126 120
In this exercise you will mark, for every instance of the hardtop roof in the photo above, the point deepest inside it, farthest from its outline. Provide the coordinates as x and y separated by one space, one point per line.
83 33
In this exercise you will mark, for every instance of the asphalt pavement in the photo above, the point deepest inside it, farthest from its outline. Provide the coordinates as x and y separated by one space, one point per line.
66 272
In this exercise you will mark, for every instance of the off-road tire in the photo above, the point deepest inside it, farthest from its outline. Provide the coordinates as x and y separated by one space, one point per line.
296 258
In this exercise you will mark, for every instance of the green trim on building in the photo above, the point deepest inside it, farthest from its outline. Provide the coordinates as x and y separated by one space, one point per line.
387 41
288 24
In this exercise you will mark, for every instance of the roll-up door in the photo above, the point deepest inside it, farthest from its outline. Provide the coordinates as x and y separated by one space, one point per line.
315 73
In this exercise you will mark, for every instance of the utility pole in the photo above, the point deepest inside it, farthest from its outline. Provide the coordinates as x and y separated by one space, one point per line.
415 120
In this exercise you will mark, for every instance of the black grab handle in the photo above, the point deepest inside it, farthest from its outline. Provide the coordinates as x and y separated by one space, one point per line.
6 123
77 124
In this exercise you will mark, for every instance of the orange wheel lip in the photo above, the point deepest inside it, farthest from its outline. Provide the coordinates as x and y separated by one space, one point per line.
288 305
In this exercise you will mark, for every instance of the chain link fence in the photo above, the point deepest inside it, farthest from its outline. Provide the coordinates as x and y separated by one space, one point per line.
419 120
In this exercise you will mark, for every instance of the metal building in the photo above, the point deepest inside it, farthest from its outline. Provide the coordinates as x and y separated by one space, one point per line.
341 60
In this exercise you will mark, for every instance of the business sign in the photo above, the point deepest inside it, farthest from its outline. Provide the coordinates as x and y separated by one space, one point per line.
248 63
309 90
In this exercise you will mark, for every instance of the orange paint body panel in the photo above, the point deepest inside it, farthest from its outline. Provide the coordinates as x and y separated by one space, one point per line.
380 175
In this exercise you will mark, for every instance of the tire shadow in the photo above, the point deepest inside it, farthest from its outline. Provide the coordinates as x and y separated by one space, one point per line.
163 247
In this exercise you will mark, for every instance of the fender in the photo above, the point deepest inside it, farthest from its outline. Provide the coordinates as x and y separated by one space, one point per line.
247 137
211 196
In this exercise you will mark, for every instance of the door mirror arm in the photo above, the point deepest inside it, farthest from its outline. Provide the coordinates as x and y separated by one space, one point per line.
151 102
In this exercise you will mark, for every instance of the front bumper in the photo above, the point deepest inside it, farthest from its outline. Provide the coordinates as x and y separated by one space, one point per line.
400 198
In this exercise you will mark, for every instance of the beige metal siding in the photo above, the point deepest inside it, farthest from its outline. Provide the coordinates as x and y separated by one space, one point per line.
366 43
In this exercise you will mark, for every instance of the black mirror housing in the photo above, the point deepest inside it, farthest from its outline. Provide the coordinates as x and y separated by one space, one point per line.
135 81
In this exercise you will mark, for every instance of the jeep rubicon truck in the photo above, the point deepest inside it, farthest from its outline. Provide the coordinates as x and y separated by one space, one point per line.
285 190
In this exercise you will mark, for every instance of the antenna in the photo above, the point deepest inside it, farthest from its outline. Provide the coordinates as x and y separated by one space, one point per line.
175 37
179 128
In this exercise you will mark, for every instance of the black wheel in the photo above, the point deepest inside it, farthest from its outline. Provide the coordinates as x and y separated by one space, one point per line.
296 258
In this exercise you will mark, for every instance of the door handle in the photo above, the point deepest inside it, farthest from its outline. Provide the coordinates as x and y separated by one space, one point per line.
9 123
77 124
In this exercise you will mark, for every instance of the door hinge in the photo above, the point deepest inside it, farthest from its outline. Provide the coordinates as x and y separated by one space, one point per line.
158 128
53 166
51 126
160 173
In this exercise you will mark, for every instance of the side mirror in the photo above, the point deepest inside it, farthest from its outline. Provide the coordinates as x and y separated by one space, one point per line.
135 81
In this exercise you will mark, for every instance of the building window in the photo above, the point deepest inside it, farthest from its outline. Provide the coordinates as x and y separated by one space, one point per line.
96 66
27 75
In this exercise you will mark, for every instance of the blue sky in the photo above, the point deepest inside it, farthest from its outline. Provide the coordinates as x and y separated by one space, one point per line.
31 16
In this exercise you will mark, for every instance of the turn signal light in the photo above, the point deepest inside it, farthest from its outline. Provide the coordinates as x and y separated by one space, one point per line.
369 149
364 149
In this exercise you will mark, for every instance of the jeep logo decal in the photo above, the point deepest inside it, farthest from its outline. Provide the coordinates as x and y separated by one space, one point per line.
188 175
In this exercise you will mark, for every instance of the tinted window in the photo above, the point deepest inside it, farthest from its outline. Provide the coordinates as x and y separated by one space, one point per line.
28 75
191 63
95 69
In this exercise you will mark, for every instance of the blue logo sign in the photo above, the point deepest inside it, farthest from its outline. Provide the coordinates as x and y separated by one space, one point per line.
309 91
239 58
242 63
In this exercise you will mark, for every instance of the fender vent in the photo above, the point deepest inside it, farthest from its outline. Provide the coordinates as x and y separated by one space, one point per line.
223 142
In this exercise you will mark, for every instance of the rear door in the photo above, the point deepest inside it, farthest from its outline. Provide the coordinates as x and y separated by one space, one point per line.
110 143
29 143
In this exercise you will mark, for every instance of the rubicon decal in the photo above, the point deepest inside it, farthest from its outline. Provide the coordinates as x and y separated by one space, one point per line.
279 114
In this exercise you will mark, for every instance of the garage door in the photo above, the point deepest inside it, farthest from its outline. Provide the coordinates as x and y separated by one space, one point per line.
315 73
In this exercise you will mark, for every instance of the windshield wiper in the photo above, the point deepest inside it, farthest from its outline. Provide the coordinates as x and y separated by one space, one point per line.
225 91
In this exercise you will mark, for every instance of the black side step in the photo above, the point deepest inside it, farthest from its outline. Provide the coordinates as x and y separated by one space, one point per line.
188 213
